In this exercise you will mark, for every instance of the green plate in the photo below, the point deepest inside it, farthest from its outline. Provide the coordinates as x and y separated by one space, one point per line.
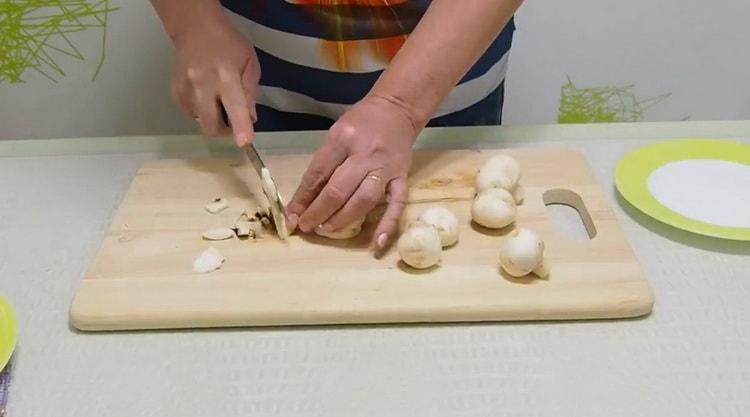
633 172
8 332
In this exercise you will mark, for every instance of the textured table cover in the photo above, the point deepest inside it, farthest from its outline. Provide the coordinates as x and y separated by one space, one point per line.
691 357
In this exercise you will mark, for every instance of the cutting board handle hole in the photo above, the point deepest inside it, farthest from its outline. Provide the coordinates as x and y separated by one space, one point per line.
569 215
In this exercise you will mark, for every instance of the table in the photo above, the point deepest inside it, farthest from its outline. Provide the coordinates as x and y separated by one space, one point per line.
691 357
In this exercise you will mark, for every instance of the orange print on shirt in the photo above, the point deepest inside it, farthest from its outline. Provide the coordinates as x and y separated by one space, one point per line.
348 55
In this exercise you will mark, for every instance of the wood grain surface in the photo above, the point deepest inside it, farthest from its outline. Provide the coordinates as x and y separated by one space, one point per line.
142 276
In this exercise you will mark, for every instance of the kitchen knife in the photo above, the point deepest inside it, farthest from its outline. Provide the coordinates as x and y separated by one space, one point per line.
278 213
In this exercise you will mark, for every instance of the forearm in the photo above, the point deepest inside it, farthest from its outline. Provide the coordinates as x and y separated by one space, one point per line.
181 16
448 40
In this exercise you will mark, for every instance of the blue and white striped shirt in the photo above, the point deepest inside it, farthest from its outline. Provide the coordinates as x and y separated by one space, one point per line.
318 57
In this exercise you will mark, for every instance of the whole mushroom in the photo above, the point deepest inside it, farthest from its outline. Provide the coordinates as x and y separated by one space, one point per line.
444 221
347 232
419 246
494 208
522 253
501 171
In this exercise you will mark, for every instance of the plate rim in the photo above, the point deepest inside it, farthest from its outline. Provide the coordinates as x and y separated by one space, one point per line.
8 325
633 170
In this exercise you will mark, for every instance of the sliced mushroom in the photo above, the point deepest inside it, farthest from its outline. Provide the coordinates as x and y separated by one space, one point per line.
241 226
265 221
217 206
268 186
244 229
260 213
246 226
209 260
218 233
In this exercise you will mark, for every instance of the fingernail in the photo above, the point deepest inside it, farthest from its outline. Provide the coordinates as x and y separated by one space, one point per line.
326 228
382 240
293 220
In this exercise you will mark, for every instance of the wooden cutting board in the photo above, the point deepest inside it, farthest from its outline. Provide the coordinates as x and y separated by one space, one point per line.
142 276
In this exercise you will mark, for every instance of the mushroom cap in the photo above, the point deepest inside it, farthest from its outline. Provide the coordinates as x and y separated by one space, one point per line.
499 171
494 208
522 253
487 179
444 221
347 232
419 246
506 164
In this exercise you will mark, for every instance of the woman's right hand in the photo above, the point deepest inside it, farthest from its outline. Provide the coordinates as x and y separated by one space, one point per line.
216 66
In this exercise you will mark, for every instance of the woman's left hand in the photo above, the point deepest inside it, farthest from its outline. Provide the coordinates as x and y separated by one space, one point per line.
366 156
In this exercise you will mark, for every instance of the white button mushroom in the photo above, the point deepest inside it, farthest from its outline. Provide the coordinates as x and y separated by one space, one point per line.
347 232
444 221
493 178
419 246
501 171
522 253
494 208
210 260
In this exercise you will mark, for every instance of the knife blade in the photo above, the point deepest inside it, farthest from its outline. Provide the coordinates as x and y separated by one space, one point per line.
278 212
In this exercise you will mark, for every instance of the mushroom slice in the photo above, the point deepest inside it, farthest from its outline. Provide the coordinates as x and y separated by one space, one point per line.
217 206
244 229
209 260
218 233
241 226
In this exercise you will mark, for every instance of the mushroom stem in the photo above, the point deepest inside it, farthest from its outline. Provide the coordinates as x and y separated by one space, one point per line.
542 270
519 193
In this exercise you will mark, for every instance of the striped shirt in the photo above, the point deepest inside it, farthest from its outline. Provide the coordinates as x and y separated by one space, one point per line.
318 57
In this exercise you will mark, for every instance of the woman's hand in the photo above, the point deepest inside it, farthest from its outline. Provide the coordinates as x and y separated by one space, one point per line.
216 66
366 156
